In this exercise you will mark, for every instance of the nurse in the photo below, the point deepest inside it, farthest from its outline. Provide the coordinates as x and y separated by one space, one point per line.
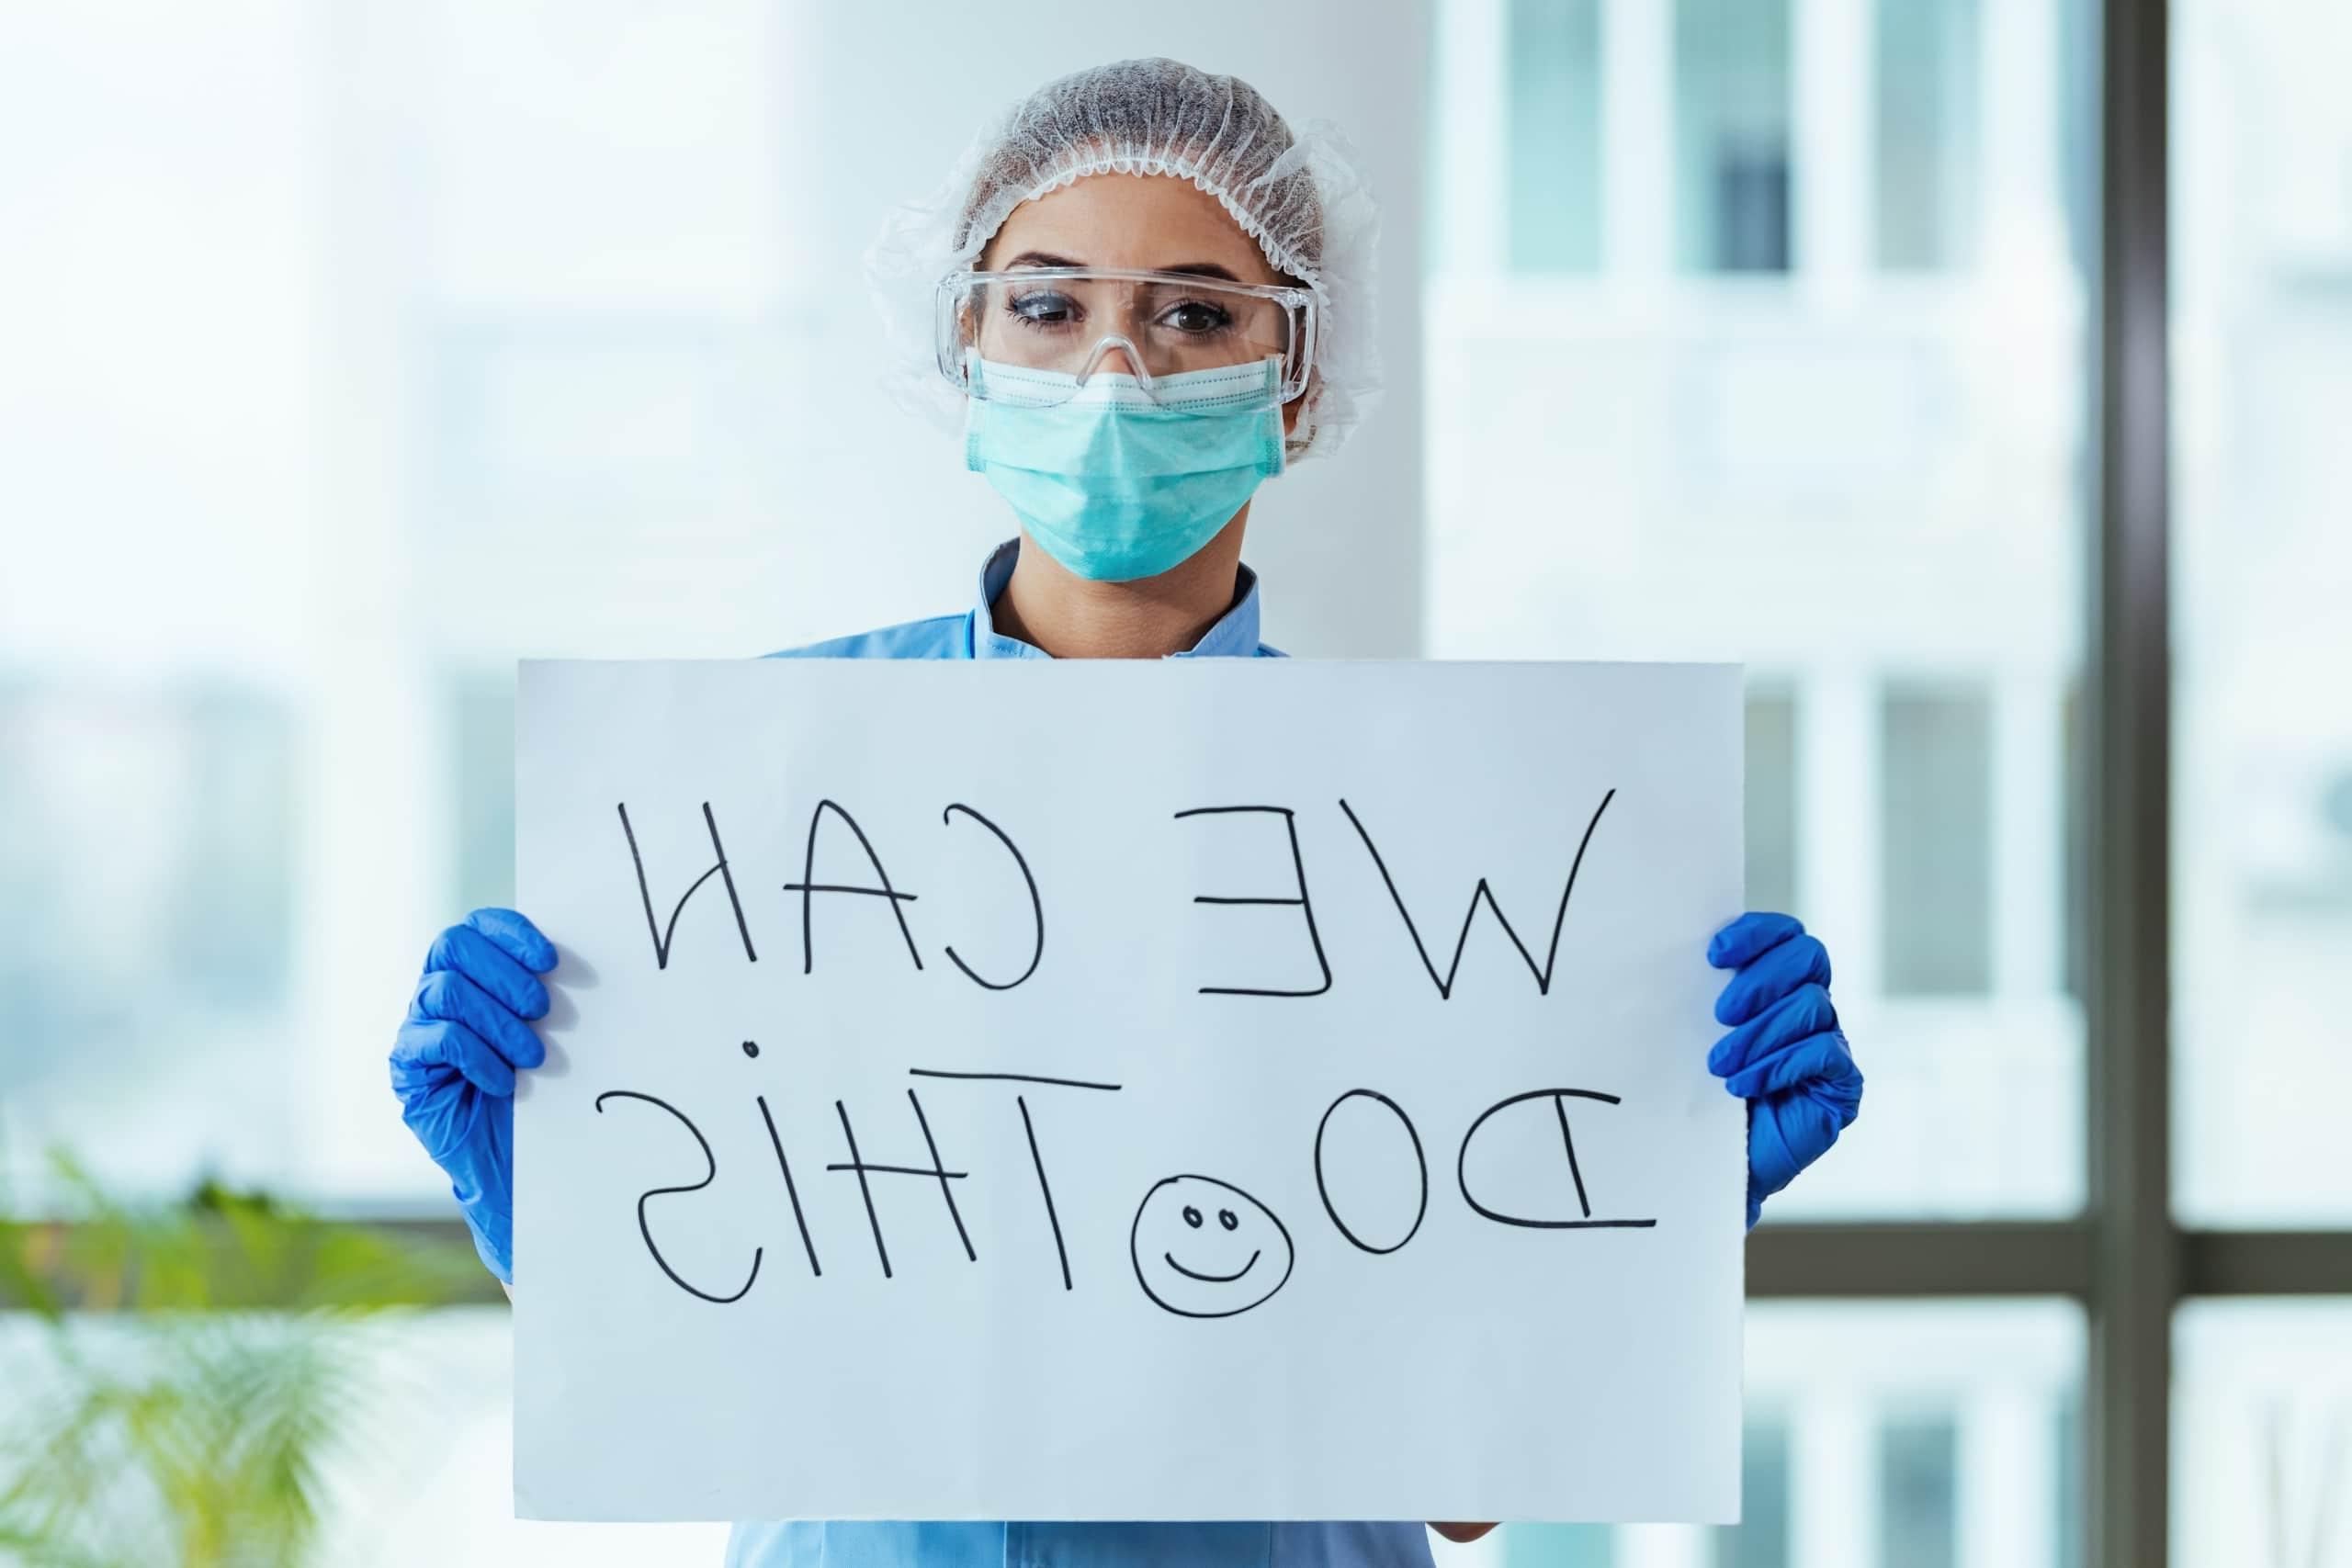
1144 293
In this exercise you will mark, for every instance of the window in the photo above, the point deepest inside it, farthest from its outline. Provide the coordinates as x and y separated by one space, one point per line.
1554 146
1926 92
1772 801
1732 152
1559 1546
1760 1539
148 841
2264 1413
2262 757
1872 496
1940 1435
1919 1479
481 791
1936 841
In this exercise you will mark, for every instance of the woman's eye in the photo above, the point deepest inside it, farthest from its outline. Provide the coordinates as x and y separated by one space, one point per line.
1195 317
1043 309
1191 1216
1224 1217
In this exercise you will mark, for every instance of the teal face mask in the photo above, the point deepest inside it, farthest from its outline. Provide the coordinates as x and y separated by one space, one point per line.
1118 483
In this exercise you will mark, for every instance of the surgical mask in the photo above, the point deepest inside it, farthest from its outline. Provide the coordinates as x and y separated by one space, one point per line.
1118 479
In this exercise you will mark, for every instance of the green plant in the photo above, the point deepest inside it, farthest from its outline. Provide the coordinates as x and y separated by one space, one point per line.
179 1376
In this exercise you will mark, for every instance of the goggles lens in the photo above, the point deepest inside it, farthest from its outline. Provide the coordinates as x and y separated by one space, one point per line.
1079 322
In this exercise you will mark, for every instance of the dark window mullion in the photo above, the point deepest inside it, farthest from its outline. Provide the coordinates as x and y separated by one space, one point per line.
2136 1250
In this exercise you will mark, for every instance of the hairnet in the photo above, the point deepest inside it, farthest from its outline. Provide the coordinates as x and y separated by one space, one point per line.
1295 191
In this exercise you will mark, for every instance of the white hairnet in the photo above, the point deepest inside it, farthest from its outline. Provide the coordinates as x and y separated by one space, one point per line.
1295 191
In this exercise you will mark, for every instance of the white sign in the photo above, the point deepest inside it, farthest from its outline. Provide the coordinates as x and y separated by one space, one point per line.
1185 1090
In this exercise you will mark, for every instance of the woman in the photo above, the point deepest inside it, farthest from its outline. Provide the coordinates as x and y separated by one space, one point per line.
1145 295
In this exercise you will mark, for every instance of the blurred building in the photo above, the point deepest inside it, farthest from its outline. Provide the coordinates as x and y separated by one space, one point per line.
1762 329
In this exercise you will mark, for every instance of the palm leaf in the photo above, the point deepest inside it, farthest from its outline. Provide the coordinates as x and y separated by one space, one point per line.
195 1369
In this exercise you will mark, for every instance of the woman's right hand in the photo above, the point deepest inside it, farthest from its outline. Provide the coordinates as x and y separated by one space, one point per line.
455 1058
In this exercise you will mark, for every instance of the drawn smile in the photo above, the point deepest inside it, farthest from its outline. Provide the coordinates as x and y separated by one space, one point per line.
1211 1278
1202 1214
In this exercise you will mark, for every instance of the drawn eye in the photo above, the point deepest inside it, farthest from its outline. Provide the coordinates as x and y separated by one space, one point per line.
1224 1217
1191 1216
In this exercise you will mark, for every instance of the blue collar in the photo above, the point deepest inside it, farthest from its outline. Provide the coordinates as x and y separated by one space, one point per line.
1235 635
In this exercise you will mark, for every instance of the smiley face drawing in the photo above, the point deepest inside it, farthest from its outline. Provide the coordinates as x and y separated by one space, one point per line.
1205 1248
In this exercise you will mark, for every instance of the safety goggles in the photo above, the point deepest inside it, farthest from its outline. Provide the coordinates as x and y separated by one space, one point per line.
1072 321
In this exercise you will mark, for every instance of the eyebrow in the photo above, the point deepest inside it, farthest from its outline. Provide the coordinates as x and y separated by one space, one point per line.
1192 269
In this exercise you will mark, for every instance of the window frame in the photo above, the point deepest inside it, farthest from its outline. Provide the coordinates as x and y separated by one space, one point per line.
2127 1259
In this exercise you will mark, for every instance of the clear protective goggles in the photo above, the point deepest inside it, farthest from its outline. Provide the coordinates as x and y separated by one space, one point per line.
1075 321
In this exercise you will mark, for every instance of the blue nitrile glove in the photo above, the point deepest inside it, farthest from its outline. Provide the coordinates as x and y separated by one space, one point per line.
1785 1056
454 1061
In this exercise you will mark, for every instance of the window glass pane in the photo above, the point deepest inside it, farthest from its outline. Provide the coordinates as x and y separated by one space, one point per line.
1557 1546
1936 801
1555 135
1732 142
481 790
1771 804
1918 1473
2262 753
2262 1432
1868 488
1927 105
1760 1539
147 843
1939 1434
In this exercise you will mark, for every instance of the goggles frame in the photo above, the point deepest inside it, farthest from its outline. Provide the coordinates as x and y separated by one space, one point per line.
1300 310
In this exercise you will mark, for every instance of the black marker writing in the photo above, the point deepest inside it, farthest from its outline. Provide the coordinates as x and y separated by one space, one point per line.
1551 955
1029 1129
858 1163
1237 1264
1299 901
1008 1077
663 934
790 1189
1420 1160
945 1191
1037 904
710 1173
1559 1098
1053 1219
807 887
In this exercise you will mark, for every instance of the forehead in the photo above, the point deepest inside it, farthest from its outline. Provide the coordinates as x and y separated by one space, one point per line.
1148 223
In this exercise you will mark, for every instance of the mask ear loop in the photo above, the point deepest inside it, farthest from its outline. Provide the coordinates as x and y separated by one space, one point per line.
1134 357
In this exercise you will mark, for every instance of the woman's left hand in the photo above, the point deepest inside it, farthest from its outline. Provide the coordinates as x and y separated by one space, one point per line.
1785 1054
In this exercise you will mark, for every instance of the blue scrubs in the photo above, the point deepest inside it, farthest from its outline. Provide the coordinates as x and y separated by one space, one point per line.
816 1543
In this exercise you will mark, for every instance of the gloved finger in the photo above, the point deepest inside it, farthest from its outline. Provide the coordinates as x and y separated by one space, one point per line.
468 951
1773 1163
1821 1059
1778 972
425 1043
1783 1137
515 934
446 994
1740 941
1792 1018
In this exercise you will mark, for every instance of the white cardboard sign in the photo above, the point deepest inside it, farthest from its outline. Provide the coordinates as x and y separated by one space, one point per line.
1186 1091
